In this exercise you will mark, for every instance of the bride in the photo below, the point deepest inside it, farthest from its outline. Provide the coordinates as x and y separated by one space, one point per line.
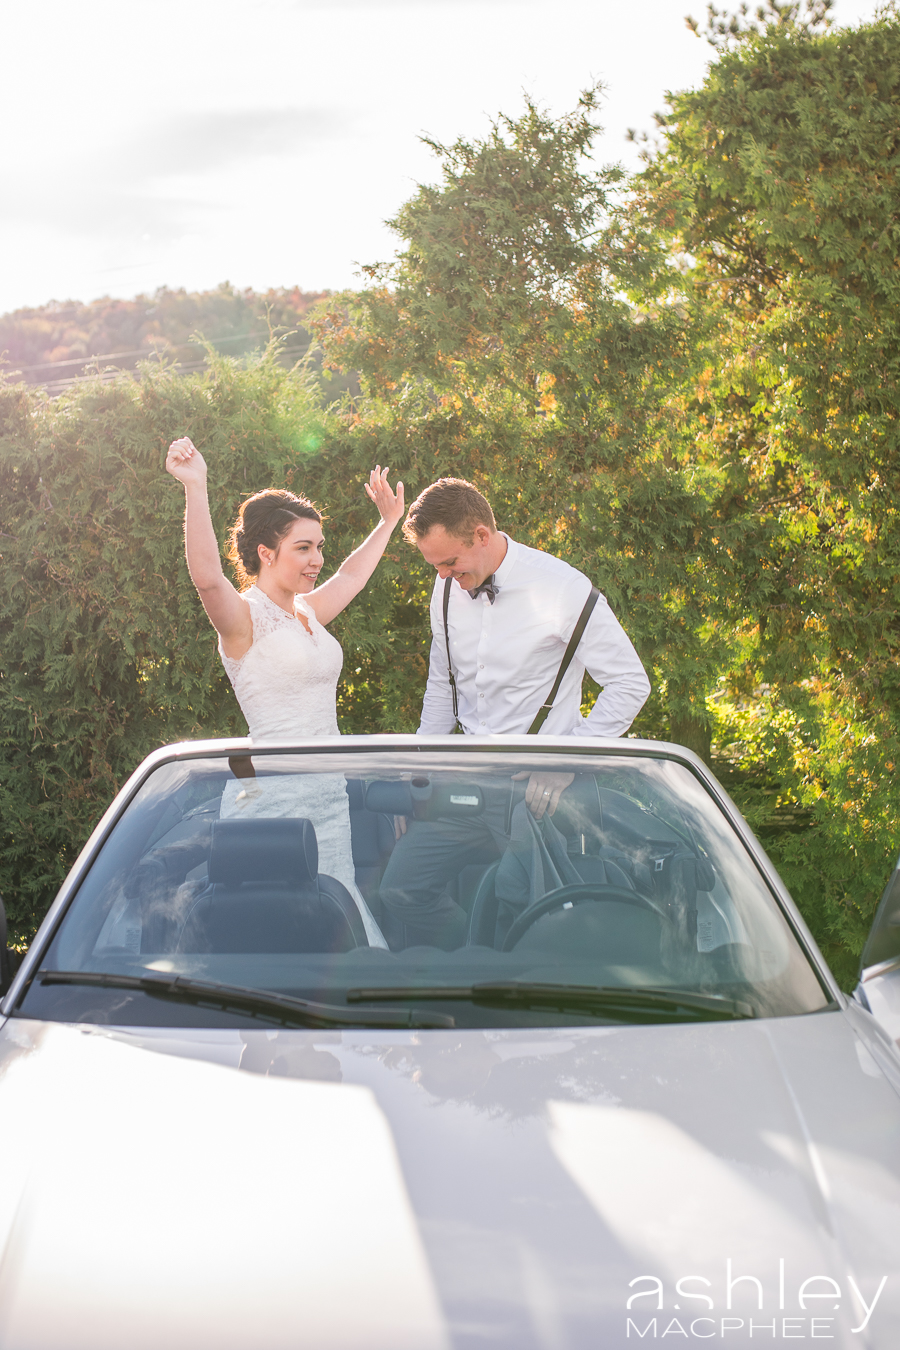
282 663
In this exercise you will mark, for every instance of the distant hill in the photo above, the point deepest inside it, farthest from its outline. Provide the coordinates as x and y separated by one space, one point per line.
55 344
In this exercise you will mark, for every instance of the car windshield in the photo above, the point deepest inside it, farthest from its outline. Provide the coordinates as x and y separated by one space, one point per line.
431 887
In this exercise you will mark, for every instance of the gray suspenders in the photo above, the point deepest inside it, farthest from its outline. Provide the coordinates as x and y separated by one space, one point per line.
450 674
544 710
577 631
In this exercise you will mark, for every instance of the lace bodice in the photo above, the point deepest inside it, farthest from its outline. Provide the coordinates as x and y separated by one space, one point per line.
286 683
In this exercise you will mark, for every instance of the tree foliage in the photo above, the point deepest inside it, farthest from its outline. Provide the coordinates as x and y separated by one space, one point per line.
801 17
55 344
772 212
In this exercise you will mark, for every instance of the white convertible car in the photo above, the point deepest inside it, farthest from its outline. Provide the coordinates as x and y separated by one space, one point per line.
617 1099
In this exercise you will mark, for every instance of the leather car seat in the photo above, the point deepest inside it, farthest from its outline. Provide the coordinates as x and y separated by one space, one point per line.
265 894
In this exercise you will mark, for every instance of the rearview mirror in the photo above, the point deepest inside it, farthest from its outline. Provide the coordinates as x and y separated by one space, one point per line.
424 799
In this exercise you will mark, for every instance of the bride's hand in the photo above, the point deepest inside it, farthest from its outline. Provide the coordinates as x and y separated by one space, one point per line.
185 462
390 504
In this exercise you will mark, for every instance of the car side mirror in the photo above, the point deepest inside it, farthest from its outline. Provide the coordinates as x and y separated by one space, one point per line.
879 968
883 943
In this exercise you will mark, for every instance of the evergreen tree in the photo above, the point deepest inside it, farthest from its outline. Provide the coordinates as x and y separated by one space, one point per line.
770 212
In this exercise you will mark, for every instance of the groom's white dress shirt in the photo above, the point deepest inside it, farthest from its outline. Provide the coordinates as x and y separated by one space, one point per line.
506 654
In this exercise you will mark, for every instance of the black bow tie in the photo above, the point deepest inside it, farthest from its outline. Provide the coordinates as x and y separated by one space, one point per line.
487 588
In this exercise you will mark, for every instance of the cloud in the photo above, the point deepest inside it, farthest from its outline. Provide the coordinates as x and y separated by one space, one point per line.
202 142
164 178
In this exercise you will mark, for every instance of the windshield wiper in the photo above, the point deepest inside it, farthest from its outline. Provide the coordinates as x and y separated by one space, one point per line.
268 1006
633 1005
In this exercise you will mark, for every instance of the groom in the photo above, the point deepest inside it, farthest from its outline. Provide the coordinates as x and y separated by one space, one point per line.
510 615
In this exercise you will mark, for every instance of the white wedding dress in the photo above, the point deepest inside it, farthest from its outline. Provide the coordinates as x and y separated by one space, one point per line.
286 685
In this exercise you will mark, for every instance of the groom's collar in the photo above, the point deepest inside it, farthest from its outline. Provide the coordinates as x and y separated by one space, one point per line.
492 585
512 552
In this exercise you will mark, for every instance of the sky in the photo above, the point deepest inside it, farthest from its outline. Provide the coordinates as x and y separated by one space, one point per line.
184 143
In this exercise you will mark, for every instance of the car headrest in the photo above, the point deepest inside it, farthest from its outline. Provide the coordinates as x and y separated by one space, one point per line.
282 850
578 812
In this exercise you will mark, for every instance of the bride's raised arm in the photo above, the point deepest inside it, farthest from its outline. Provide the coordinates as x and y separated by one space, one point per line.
336 593
228 612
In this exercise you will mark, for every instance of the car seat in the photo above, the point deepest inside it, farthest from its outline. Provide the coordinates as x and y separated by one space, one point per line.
265 894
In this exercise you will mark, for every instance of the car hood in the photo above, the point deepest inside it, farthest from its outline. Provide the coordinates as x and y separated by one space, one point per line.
565 1188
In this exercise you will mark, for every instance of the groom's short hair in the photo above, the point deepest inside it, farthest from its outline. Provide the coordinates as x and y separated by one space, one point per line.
453 503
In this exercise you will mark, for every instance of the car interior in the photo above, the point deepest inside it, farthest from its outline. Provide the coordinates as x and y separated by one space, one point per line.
629 885
208 884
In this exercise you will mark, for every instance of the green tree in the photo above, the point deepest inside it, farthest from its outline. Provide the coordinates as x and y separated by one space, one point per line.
800 17
771 210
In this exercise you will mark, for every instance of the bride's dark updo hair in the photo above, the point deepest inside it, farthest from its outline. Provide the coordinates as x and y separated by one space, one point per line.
264 518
